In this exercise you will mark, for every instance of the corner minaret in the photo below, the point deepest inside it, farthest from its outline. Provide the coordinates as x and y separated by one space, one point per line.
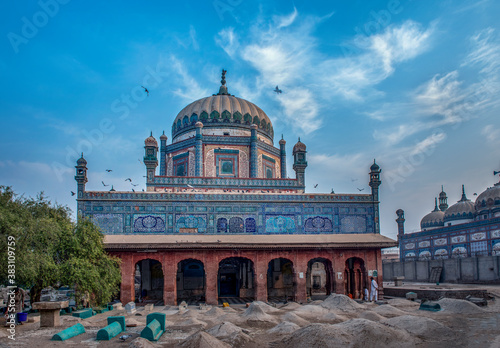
198 157
253 151
374 184
150 157
282 143
163 153
401 223
81 175
300 162
443 200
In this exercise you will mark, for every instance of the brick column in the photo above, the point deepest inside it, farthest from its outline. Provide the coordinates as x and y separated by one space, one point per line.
339 267
260 279
300 266
211 286
127 289
170 280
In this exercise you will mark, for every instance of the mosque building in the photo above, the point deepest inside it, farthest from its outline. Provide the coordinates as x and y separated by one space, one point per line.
220 217
464 229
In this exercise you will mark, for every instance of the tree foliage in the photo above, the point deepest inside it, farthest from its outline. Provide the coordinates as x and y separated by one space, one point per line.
51 249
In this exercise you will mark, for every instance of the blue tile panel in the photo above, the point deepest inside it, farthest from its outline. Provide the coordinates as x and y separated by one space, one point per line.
156 213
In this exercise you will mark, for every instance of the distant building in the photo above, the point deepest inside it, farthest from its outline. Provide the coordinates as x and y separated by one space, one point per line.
223 219
464 229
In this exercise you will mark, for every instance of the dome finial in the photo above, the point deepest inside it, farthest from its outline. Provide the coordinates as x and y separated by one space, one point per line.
464 197
223 88
151 134
436 204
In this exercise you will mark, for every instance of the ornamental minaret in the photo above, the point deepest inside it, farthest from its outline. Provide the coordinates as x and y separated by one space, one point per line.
443 200
150 157
163 153
282 143
198 165
253 152
374 184
81 175
300 162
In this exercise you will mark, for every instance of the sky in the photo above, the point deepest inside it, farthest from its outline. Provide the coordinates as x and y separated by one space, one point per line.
412 84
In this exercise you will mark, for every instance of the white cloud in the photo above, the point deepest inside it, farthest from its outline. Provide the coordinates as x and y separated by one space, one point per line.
228 41
485 52
188 86
192 35
285 21
491 133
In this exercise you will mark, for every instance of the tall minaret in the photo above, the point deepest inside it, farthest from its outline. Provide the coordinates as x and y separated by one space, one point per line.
443 200
81 175
150 157
283 157
374 184
163 153
401 223
300 162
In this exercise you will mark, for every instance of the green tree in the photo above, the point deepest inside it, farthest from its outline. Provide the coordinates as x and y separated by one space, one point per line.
51 249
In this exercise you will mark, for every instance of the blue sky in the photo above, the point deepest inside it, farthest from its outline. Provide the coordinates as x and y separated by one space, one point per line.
413 84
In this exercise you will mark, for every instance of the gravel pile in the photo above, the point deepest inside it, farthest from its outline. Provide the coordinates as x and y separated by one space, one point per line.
459 306
388 311
202 340
341 303
419 326
284 327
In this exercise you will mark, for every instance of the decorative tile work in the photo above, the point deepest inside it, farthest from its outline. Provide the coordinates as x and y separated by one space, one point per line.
318 224
280 224
250 225
424 244
221 225
495 234
440 241
441 253
495 247
192 164
478 236
424 254
409 245
458 239
354 223
459 251
185 221
149 223
109 223
236 225
477 247
410 254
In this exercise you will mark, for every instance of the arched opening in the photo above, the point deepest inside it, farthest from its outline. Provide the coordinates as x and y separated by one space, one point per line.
191 281
148 282
280 280
235 279
319 278
355 277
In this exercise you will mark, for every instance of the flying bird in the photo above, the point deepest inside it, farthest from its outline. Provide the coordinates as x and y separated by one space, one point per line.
360 189
475 194
145 90
133 190
103 184
352 179
315 185
109 170
72 193
128 179
332 192
134 184
277 90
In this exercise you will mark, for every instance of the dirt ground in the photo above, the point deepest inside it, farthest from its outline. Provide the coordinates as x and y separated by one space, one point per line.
335 322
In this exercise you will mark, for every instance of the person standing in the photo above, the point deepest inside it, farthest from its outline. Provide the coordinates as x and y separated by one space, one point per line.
366 294
373 290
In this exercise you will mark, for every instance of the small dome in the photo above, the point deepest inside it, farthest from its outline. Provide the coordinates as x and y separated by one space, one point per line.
374 167
463 209
163 136
81 161
300 146
488 199
151 141
282 141
434 219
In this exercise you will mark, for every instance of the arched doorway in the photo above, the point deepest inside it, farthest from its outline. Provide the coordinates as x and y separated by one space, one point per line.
235 278
280 280
319 278
355 277
148 282
190 281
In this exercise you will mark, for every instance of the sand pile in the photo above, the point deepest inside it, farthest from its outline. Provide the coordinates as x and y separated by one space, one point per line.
403 303
140 342
316 303
284 327
294 318
266 308
332 318
419 326
192 323
459 306
231 334
190 314
202 340
352 333
290 306
370 315
388 311
310 311
255 313
215 312
341 303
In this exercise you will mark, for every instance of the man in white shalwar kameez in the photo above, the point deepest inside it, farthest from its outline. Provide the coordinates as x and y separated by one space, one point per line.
373 290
